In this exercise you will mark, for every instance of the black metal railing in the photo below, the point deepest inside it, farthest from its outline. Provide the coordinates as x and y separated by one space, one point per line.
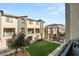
66 49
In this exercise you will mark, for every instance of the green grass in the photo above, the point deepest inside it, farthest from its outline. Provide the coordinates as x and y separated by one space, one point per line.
42 48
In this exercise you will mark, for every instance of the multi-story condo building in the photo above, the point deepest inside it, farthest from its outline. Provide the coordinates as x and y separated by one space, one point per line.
53 30
35 28
10 24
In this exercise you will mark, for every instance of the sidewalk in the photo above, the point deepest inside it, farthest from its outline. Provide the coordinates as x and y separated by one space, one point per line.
6 52
55 42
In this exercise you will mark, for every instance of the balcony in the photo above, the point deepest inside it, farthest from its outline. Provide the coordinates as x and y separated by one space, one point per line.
67 49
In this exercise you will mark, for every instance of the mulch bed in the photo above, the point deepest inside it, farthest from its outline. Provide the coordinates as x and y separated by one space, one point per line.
20 53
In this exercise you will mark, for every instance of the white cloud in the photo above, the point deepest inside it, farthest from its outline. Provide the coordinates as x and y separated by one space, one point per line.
53 10
50 8
59 10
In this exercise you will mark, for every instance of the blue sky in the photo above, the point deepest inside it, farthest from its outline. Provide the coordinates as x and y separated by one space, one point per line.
49 12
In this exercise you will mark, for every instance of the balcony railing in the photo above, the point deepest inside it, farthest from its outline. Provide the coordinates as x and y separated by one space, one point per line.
62 50
70 48
66 49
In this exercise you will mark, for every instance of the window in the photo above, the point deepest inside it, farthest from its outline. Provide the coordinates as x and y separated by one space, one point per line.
37 23
8 19
30 22
37 30
23 21
8 31
30 30
22 29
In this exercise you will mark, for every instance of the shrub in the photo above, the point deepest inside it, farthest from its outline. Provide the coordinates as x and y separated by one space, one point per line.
39 39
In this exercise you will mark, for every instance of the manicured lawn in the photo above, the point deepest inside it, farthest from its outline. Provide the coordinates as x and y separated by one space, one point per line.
42 48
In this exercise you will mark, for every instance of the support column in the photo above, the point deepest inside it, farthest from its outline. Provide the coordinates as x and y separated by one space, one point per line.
72 21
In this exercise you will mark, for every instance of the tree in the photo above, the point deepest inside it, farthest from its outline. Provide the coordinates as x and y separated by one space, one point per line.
58 33
17 43
28 40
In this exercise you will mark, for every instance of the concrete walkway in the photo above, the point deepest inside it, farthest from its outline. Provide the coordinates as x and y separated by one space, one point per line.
57 50
54 42
6 52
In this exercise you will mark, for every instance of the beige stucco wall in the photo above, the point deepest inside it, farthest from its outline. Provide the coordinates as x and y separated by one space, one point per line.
12 24
42 28
35 35
34 25
0 34
5 24
22 25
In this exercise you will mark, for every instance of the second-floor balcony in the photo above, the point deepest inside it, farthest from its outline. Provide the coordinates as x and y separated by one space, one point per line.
70 48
